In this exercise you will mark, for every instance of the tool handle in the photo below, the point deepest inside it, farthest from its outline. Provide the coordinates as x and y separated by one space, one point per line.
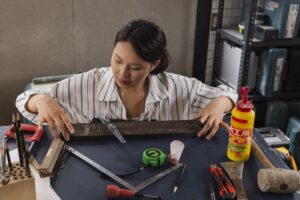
222 189
240 190
226 180
260 155
114 192
38 132
28 127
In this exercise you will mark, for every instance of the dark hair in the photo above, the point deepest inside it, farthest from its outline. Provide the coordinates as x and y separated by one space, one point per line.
148 41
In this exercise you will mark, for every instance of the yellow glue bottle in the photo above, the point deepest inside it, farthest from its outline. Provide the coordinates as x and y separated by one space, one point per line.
242 123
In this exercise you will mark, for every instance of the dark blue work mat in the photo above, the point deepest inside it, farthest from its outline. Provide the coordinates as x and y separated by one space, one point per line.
78 180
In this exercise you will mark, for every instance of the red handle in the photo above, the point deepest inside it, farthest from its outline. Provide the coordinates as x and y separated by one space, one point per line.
222 189
37 132
114 192
226 180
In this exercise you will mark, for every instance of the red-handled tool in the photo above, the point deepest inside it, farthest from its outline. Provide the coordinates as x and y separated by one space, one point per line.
114 192
222 188
32 134
227 182
226 190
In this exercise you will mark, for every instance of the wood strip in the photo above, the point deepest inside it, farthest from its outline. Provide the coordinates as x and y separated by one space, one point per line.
137 129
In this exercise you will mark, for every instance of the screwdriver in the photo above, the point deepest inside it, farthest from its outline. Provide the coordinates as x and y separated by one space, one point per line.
114 192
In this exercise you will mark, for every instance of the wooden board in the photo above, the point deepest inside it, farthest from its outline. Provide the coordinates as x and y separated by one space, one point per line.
135 129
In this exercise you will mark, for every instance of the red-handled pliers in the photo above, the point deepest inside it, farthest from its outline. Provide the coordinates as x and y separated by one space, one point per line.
31 132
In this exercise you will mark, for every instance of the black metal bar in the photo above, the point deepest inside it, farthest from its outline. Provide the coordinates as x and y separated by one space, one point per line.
256 97
277 43
247 44
217 50
201 39
237 38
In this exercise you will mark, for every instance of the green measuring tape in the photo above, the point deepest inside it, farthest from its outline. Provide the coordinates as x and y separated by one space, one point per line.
154 157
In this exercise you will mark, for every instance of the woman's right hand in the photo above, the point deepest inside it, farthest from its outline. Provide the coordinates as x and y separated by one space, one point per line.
51 113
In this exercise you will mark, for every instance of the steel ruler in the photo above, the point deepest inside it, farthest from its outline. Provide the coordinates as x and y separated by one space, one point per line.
117 178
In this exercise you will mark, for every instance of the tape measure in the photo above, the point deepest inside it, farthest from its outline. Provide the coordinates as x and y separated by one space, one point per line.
154 157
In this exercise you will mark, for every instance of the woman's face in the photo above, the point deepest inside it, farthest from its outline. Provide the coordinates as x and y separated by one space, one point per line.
129 70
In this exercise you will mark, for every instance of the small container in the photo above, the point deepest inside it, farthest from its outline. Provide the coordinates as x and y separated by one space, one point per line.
19 185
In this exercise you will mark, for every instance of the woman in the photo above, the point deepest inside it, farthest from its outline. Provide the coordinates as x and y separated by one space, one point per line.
134 87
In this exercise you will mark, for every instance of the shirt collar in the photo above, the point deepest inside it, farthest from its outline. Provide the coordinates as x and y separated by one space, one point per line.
107 90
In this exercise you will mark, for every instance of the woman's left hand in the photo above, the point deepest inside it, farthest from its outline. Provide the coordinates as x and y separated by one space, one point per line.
212 116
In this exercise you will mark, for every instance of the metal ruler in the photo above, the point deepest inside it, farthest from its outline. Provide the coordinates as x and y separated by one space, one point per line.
112 128
158 176
117 178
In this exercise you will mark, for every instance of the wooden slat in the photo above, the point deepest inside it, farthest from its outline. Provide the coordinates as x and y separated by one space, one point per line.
130 129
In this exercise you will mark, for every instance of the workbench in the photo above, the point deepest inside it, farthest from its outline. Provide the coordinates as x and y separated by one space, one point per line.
77 180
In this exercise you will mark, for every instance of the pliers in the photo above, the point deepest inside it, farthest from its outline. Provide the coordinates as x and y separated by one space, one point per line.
32 134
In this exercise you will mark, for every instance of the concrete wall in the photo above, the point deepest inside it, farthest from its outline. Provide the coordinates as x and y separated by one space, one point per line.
50 37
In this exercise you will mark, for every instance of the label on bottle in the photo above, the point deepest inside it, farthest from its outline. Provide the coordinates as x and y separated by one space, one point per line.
239 143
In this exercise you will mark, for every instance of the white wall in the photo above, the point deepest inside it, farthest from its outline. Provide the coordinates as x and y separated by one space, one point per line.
50 37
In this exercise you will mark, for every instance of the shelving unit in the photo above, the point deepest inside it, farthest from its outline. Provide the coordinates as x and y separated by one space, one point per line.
237 38
247 43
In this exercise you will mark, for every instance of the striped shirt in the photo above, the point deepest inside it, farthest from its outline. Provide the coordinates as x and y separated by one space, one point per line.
93 93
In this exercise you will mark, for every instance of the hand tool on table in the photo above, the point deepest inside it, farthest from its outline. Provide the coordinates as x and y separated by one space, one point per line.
178 181
271 179
2 164
18 138
224 178
112 128
152 157
158 176
32 134
7 153
211 191
235 172
114 192
117 178
226 190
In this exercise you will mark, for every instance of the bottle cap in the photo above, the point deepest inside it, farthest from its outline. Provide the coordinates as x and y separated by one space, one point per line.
244 104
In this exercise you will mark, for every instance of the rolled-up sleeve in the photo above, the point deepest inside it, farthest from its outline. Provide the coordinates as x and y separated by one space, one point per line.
24 97
204 94
223 90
